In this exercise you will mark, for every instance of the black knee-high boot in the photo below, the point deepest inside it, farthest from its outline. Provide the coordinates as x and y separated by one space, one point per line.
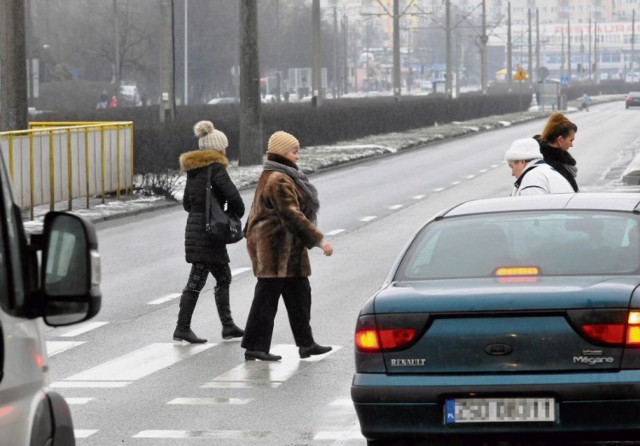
183 331
229 328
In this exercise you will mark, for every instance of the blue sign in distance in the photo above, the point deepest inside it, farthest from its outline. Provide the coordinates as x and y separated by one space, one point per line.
564 80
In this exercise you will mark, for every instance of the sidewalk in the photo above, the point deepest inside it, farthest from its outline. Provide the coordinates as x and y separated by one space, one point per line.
314 159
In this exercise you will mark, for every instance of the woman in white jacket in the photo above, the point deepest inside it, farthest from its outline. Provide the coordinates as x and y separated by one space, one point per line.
533 175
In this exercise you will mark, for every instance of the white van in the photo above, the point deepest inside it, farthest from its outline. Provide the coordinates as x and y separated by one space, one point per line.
53 278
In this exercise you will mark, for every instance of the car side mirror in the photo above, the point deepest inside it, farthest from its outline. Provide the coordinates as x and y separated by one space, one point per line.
70 274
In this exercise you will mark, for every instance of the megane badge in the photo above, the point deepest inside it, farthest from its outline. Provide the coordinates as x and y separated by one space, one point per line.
498 349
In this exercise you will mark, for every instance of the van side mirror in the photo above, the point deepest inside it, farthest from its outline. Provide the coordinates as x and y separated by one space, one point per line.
70 273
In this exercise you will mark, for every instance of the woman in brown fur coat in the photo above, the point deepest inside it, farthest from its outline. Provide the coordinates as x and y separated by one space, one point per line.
280 230
206 254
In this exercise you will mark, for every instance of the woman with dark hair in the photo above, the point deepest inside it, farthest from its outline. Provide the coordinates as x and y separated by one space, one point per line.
555 141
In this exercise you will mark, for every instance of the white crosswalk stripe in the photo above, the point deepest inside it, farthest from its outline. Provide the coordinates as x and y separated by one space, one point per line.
135 365
56 347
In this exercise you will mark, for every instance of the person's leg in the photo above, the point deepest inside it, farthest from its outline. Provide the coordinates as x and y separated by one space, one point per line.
188 301
296 294
222 274
297 297
259 329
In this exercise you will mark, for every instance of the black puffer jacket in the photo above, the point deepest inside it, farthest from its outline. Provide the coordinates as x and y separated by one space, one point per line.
199 246
560 160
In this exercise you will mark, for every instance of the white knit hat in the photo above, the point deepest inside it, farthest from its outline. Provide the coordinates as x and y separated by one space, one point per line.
209 137
523 150
282 143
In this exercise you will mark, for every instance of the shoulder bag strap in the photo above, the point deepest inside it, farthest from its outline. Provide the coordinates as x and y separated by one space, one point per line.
207 200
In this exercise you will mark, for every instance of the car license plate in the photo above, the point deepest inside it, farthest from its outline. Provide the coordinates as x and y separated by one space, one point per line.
499 410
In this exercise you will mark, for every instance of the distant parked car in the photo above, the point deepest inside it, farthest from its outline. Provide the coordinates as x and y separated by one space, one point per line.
633 99
225 100
507 319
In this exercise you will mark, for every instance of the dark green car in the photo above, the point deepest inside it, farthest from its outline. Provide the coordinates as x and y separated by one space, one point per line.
511 318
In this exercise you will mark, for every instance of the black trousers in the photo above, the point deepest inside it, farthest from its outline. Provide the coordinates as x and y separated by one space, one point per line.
296 293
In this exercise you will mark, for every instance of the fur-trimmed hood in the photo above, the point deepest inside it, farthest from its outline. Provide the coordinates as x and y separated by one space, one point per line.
202 158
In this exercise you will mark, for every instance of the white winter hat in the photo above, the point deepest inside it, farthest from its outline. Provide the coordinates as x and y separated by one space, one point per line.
209 138
523 150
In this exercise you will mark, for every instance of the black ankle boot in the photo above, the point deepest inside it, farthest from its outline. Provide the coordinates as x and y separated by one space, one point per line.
252 355
183 331
232 331
181 334
313 349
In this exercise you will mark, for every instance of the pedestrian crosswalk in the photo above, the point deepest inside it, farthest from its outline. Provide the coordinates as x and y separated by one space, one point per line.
134 366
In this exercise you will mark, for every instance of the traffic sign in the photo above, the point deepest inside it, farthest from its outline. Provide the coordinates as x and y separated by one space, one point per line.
564 80
520 75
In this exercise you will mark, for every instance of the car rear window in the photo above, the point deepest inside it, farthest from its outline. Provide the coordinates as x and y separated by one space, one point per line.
560 243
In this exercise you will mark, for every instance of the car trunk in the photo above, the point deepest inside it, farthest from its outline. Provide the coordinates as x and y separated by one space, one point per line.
486 326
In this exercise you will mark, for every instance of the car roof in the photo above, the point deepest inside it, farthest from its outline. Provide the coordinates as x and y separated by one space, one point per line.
613 201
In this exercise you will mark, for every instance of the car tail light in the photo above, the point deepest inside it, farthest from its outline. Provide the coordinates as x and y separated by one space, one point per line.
633 328
388 332
616 327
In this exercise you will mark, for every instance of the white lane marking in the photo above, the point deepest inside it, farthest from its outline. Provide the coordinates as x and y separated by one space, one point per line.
210 401
335 232
240 385
89 385
74 401
484 170
236 271
342 402
83 329
368 218
455 183
164 299
220 434
493 166
55 347
253 374
84 433
418 197
140 363
338 435
395 207
469 177
440 189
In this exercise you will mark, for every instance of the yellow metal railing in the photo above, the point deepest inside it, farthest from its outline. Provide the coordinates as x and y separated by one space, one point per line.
61 161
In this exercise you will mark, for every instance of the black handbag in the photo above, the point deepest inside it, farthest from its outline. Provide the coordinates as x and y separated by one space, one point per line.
223 225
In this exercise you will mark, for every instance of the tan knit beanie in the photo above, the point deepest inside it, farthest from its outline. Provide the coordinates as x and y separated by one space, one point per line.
209 137
282 143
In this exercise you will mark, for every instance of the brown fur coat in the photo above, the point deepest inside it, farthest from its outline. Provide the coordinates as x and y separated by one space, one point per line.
279 232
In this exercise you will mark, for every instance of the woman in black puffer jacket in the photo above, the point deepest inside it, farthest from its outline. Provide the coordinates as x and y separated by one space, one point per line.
206 254
555 141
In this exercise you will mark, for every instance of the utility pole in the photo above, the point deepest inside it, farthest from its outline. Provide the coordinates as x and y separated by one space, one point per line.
116 46
168 99
538 74
589 53
562 52
509 75
336 84
397 89
569 49
596 65
13 67
316 98
186 52
483 55
529 54
250 111
633 40
448 49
